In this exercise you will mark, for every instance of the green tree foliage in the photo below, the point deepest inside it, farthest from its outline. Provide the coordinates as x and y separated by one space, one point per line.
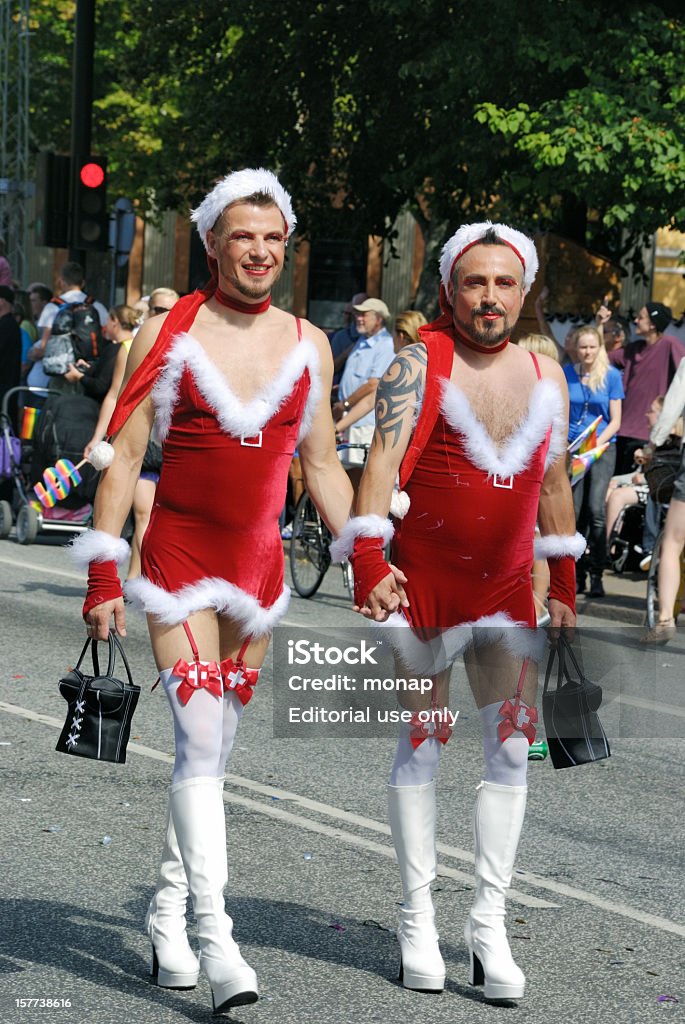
557 114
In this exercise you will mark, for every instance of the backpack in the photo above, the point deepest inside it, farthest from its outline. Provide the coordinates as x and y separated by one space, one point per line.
75 334
65 426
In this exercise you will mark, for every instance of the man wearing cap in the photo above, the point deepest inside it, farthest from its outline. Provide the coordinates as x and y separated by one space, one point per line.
649 365
343 341
366 364
235 384
476 429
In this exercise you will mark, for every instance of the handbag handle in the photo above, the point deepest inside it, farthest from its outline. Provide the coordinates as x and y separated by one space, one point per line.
115 647
559 651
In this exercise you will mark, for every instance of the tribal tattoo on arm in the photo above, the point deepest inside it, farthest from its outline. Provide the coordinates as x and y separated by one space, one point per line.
400 393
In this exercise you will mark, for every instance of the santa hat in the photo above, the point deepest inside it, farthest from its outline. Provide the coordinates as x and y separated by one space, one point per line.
469 235
240 185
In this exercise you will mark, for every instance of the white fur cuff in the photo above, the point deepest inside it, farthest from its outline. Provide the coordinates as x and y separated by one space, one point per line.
556 546
360 526
98 546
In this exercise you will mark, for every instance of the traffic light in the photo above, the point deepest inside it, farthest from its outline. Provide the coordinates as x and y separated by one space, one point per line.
52 199
90 216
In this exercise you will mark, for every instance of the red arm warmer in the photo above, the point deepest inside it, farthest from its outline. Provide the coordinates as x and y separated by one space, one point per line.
562 580
103 585
369 566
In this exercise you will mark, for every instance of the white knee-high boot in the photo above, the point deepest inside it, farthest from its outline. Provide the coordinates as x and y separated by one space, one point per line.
174 965
197 808
498 819
412 813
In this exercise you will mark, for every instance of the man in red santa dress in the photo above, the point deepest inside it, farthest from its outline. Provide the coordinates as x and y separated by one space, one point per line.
234 384
476 429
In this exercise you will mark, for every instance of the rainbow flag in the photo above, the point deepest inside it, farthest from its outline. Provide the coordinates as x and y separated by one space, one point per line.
581 462
587 440
28 422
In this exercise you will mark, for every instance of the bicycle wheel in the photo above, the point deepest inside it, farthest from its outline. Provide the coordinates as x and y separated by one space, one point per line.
653 583
309 548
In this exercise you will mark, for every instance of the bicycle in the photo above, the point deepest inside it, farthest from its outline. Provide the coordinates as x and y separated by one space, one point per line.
310 543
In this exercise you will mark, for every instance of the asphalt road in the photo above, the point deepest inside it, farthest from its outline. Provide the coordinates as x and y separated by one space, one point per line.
596 915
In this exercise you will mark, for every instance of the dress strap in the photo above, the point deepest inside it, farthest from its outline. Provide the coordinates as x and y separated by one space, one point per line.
299 329
536 365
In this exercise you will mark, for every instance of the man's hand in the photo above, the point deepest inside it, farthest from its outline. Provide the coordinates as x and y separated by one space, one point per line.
337 411
98 619
562 619
387 597
73 375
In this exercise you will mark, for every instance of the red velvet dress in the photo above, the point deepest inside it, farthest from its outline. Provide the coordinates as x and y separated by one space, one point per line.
214 538
466 543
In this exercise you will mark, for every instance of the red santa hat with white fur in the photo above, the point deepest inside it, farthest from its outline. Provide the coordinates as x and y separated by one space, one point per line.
469 235
240 185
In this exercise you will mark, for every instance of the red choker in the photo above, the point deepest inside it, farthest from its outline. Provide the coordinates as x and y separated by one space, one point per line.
252 308
487 350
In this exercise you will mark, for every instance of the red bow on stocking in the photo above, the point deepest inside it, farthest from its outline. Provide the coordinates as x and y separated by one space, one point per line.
517 717
425 729
238 679
197 676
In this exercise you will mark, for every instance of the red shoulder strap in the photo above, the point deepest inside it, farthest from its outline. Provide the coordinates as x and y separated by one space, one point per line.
536 365
299 328
179 318
440 348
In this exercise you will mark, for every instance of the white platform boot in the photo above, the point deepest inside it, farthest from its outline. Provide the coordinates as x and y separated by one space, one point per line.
498 819
174 965
412 823
197 808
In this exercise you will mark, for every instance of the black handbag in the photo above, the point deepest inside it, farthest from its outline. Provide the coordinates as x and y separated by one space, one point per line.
101 707
575 734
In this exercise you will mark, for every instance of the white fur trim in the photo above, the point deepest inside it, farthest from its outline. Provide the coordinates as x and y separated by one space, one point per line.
468 233
400 504
545 404
428 657
558 441
556 545
235 417
239 185
314 396
98 546
101 456
360 526
212 592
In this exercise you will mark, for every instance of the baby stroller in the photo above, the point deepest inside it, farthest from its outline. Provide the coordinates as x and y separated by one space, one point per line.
24 460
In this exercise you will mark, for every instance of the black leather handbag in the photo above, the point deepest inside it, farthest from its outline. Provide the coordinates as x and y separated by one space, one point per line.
575 734
101 707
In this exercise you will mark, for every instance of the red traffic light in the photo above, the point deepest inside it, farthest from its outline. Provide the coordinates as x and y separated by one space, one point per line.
92 175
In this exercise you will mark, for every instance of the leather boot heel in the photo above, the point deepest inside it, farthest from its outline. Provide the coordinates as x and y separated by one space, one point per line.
172 979
476 974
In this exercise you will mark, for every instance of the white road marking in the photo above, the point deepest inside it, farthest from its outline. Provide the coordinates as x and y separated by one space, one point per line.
351 839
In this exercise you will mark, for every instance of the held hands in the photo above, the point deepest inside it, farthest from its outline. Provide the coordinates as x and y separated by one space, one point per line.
387 597
98 619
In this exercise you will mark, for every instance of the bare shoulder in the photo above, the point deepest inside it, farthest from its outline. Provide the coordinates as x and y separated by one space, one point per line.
408 365
319 340
143 342
551 370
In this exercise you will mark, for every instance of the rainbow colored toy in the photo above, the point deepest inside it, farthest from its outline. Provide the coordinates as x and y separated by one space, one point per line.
57 482
60 478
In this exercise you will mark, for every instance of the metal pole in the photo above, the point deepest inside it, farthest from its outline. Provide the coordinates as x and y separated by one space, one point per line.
81 101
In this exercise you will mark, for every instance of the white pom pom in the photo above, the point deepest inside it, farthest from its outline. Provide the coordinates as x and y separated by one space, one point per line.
102 455
399 504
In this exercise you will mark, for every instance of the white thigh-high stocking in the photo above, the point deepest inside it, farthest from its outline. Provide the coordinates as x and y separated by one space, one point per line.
233 712
414 767
506 763
198 731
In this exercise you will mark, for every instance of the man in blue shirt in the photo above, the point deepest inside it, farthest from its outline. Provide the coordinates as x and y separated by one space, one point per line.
366 364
